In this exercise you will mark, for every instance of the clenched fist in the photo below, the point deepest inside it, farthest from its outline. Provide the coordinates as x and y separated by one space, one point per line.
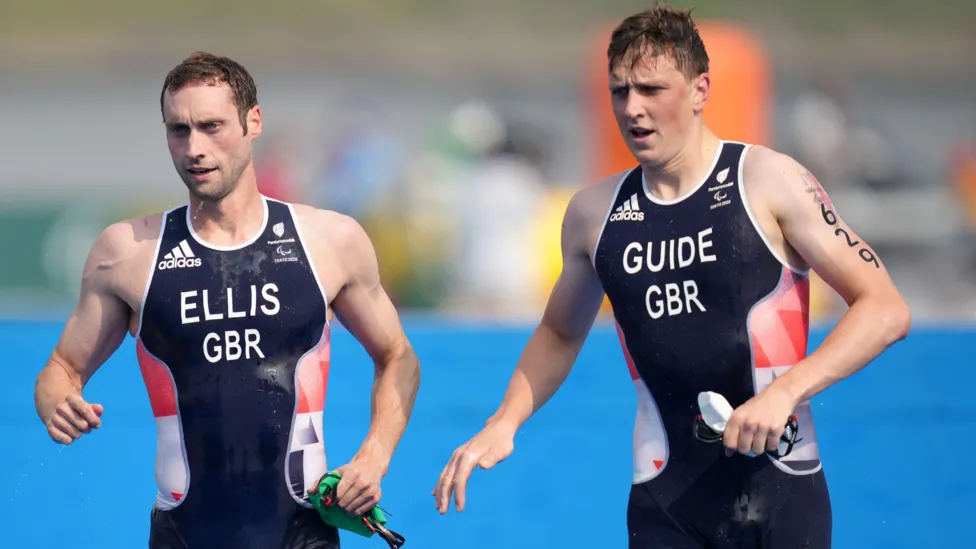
72 418
757 425
358 490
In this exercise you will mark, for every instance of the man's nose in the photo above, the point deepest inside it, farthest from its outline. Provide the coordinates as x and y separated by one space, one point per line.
632 107
195 145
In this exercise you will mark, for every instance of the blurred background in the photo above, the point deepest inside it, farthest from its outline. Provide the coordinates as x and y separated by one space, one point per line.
456 131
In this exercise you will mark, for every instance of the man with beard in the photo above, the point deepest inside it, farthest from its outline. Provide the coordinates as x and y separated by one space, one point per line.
229 299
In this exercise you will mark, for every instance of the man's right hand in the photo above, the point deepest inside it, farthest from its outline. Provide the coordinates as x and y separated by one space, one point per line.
489 447
72 418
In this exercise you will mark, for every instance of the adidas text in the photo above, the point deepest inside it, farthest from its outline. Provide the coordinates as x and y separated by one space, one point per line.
627 216
628 211
181 263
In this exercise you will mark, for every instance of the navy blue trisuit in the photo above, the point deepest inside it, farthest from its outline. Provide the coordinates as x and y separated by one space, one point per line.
233 344
702 302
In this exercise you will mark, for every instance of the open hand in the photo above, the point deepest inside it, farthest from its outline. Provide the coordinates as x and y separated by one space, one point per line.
486 449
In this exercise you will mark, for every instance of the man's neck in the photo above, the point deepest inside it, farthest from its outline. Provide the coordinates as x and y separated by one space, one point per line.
232 220
682 173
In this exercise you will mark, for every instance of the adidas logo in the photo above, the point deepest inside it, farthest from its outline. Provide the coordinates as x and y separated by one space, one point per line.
180 257
628 211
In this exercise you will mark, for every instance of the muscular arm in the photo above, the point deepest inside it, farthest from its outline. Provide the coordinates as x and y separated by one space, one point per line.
555 344
366 311
877 316
93 331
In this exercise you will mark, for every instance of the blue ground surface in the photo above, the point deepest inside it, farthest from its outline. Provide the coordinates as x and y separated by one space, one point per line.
897 447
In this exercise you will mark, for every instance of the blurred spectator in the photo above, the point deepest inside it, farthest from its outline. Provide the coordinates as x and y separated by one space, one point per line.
435 203
498 267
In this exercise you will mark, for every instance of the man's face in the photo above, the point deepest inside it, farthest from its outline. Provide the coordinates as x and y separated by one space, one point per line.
655 106
206 139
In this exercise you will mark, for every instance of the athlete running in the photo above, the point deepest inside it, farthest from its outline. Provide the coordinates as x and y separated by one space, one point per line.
229 298
704 251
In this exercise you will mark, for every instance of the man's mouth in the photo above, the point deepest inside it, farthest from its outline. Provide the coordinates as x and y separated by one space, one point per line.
640 132
201 171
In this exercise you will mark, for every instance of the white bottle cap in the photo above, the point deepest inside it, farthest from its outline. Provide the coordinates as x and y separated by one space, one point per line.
715 410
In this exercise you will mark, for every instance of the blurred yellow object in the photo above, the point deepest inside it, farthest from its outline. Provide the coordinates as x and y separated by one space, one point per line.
823 299
392 254
548 229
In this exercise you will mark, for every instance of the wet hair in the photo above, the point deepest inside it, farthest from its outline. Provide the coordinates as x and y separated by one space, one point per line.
660 30
213 70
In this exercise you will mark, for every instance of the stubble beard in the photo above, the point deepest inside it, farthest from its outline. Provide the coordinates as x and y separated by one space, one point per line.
210 191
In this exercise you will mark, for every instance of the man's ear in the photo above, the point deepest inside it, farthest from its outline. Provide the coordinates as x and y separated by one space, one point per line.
699 91
254 124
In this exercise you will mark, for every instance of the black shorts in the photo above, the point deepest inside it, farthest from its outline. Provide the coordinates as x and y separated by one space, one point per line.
304 530
744 503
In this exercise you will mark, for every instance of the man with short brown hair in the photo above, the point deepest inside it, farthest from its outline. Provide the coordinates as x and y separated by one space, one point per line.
704 251
229 299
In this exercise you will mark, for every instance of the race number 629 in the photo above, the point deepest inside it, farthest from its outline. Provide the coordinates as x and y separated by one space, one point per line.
831 219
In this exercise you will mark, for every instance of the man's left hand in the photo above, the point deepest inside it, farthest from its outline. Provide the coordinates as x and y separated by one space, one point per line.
756 426
358 490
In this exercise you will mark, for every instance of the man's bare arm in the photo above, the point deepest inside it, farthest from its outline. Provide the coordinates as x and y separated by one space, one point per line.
365 309
548 357
877 316
572 308
93 331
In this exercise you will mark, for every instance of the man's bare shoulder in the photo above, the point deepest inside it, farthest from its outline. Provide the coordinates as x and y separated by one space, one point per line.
121 258
590 203
324 229
123 240
586 212
766 166
779 179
